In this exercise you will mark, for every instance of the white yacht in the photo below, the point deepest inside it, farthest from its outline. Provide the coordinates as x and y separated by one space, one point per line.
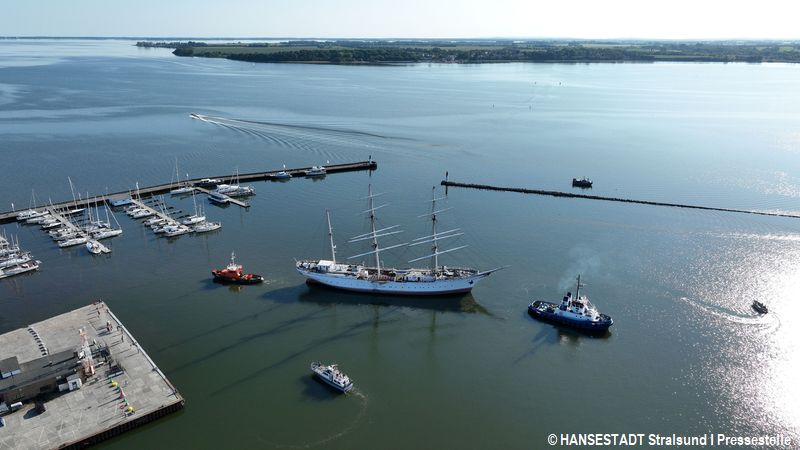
141 213
18 269
235 189
39 218
175 230
432 280
104 234
331 375
316 171
195 218
15 259
73 241
204 227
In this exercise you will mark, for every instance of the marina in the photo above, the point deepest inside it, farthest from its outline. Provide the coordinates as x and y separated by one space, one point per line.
80 378
122 197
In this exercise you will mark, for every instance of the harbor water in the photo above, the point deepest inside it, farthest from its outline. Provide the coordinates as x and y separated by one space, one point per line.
686 354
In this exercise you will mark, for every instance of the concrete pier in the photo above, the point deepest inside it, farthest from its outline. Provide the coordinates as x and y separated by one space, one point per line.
125 376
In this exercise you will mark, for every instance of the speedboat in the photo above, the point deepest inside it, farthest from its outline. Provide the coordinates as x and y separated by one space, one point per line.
332 376
760 307
234 273
316 171
94 247
576 312
282 175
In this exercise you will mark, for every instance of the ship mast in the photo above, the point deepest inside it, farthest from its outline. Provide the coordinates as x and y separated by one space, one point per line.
578 288
375 247
435 236
435 245
330 235
374 233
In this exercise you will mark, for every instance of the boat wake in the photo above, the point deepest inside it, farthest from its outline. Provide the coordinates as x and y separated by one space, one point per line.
769 323
344 431
316 139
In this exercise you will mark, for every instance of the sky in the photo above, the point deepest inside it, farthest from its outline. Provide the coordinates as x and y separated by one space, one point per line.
583 19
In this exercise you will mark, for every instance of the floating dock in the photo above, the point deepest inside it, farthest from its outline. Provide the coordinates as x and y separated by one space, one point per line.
126 391
10 216
228 199
487 187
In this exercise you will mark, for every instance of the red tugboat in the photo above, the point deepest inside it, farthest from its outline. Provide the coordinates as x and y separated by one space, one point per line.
234 273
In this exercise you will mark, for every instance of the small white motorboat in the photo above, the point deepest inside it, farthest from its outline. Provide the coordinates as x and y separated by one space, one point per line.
332 376
94 247
316 171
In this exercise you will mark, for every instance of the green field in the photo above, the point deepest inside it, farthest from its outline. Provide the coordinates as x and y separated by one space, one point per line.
384 52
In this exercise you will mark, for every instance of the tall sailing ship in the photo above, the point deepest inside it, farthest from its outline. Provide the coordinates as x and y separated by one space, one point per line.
433 280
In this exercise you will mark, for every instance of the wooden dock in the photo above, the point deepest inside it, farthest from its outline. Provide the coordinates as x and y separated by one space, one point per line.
10 216
487 187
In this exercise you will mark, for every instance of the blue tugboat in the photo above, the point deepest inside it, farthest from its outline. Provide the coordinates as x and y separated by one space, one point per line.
576 312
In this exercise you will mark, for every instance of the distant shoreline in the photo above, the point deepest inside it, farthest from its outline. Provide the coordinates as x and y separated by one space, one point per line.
379 52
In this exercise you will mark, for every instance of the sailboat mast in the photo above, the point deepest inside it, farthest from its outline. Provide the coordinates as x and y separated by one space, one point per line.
435 246
330 235
374 233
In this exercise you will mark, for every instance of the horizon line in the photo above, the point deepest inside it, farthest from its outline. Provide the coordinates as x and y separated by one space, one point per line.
495 38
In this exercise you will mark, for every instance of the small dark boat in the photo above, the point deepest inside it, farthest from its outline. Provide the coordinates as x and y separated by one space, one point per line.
582 182
234 274
760 307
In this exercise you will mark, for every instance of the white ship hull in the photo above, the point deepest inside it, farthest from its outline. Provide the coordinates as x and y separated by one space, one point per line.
353 283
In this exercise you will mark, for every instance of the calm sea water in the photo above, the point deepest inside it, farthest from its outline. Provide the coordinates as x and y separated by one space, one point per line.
686 355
